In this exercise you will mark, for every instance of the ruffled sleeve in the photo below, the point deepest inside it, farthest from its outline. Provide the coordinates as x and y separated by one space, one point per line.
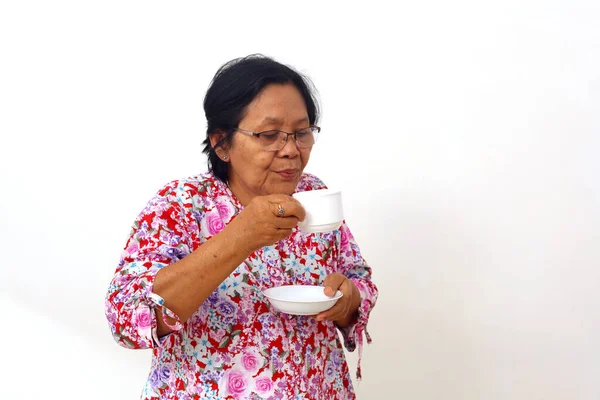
353 266
159 237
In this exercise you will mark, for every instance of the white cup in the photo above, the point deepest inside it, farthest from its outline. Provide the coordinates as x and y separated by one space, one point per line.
324 211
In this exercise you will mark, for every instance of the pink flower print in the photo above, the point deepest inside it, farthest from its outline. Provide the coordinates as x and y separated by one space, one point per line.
212 223
251 360
218 334
236 384
224 208
263 386
132 248
344 239
112 317
143 318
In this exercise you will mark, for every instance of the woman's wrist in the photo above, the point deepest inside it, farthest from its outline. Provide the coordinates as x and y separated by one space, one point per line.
236 235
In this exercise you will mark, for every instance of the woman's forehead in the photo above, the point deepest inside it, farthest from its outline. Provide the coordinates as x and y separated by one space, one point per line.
271 119
276 105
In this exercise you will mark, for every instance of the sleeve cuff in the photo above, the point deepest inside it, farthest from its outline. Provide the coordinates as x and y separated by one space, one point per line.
145 315
353 334
158 302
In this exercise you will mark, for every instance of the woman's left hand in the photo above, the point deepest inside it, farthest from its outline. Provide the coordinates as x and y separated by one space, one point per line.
344 311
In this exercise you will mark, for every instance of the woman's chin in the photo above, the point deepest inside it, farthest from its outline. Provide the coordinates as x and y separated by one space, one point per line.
287 187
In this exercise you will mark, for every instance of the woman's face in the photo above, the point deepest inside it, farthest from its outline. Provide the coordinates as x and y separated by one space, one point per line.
254 171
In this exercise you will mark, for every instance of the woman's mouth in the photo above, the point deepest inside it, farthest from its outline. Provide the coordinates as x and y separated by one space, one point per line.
288 174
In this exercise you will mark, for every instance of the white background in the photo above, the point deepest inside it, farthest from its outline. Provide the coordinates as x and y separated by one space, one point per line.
465 135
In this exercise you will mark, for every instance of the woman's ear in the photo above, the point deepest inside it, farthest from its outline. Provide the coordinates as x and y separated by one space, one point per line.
218 144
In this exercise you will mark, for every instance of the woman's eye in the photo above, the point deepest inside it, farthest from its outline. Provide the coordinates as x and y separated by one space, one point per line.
269 136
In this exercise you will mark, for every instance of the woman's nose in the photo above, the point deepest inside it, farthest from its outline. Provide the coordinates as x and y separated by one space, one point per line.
290 149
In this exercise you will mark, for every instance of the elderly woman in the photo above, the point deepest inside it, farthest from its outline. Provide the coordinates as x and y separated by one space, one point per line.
190 280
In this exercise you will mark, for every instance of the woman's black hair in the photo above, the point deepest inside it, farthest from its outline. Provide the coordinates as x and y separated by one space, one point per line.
234 86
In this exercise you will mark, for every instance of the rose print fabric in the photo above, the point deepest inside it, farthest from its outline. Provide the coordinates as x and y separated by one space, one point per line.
235 346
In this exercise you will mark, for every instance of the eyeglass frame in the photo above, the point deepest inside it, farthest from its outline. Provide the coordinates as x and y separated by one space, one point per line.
257 135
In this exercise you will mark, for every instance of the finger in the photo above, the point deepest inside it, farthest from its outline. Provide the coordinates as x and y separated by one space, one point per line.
295 208
342 307
282 234
277 198
286 222
290 206
279 210
333 283
338 311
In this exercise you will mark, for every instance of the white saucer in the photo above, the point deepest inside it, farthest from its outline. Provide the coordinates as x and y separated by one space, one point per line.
300 299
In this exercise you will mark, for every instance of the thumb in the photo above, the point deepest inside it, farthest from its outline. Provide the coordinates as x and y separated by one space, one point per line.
332 283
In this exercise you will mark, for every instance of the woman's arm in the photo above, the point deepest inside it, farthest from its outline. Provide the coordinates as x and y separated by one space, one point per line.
159 278
185 284
159 274
353 279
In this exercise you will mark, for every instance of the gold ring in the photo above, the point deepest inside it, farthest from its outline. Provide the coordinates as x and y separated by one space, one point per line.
281 211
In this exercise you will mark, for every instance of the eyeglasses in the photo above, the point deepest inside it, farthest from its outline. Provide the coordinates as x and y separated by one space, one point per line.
275 140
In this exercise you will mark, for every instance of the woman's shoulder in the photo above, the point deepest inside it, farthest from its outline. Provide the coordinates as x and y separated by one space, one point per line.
204 185
310 182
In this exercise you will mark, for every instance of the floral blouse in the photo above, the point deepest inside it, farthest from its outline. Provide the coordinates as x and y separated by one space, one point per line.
235 346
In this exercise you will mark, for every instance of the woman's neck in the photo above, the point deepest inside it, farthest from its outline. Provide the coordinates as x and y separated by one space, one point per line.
241 193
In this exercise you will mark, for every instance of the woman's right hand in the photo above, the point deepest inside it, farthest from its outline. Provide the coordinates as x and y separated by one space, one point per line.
259 224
